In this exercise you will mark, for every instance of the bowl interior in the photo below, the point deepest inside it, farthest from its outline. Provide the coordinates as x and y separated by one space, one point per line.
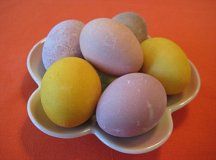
178 101
34 62
42 122
134 145
143 143
139 144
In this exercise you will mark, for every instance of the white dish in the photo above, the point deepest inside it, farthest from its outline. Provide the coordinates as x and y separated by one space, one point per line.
135 145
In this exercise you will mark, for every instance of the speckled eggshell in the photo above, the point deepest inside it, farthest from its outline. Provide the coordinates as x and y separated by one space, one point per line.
111 47
135 22
131 105
62 41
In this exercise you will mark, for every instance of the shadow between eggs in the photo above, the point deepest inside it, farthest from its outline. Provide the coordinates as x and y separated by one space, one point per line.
40 146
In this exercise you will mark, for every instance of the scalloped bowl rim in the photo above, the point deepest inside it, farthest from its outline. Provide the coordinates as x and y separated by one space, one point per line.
94 129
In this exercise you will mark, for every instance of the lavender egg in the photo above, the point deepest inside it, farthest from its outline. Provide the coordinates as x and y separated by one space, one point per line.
134 22
111 47
62 41
131 105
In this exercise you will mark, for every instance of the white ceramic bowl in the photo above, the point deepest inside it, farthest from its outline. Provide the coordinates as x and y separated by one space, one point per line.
135 145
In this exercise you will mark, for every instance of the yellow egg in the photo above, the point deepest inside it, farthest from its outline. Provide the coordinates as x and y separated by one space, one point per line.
70 90
166 61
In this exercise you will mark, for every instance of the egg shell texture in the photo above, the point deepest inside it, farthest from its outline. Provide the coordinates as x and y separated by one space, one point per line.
134 22
167 62
111 47
131 105
62 41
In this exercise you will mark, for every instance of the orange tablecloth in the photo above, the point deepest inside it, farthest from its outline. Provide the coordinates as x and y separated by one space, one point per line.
24 22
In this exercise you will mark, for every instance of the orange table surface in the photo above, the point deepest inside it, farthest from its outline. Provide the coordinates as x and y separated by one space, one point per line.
24 22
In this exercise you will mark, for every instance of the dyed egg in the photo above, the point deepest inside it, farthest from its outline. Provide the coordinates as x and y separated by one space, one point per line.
111 47
70 90
62 41
131 105
166 61
134 22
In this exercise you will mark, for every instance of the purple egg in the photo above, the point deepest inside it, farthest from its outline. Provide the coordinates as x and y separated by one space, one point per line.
62 41
131 105
111 47
134 22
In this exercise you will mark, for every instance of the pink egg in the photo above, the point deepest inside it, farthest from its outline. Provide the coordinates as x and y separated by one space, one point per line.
62 41
134 22
131 105
111 47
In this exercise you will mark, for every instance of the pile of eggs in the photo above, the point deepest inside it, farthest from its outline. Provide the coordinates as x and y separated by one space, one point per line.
109 67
